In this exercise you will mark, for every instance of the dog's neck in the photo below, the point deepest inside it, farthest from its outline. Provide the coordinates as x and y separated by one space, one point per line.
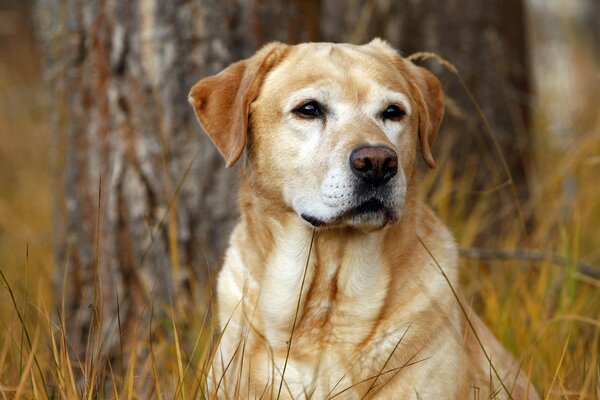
341 266
270 227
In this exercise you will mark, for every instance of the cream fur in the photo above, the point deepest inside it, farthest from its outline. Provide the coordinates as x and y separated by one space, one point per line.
372 315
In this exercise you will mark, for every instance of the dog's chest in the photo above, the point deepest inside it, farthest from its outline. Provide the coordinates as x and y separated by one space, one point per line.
334 297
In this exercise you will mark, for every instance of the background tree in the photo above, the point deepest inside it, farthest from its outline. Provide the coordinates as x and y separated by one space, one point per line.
487 43
143 204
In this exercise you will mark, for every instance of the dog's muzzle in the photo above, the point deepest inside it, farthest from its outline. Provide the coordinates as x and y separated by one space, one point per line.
373 199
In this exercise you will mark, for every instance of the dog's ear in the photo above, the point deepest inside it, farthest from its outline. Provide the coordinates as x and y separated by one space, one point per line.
221 102
430 101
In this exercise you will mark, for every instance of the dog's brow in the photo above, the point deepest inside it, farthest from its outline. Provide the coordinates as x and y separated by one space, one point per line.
393 96
319 93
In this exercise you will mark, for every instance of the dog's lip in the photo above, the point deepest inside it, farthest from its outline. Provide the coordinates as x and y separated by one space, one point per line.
312 220
371 205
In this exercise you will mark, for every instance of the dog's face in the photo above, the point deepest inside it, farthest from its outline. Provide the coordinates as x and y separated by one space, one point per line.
331 129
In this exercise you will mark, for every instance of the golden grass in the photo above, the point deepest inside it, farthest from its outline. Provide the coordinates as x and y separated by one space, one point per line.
547 315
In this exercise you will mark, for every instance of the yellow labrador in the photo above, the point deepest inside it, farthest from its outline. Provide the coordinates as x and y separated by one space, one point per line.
331 285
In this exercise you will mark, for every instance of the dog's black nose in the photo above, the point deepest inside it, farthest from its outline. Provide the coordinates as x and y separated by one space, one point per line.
374 164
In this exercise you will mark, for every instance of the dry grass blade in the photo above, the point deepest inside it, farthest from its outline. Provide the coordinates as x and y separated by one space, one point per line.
488 128
338 382
426 55
562 357
225 368
130 374
210 360
589 376
466 315
408 363
121 368
25 377
16 308
155 375
113 381
289 344
24 310
179 359
64 358
170 204
386 363
199 337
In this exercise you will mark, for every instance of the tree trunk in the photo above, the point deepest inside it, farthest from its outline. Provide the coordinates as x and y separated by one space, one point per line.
143 204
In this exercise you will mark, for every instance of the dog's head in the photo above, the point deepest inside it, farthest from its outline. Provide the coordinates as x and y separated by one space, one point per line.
330 130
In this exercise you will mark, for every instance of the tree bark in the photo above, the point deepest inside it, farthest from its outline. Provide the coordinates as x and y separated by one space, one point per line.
143 204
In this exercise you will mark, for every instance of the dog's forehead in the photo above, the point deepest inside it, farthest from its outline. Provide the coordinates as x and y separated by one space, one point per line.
343 65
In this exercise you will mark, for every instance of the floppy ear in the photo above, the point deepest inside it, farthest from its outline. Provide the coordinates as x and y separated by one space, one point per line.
221 102
430 101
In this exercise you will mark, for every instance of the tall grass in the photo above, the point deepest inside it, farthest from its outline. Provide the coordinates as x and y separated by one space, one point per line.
547 314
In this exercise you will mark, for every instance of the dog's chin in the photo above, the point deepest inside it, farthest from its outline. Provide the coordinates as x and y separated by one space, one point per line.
369 215
370 221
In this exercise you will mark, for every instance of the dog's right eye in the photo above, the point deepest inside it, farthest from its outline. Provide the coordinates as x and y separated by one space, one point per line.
311 109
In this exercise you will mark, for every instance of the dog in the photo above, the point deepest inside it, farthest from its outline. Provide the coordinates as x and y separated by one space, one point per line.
339 281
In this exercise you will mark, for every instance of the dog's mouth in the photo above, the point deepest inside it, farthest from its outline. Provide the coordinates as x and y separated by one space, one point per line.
312 220
369 206
370 210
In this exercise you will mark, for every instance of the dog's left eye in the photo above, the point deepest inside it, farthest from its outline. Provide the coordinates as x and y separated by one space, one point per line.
312 109
393 112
